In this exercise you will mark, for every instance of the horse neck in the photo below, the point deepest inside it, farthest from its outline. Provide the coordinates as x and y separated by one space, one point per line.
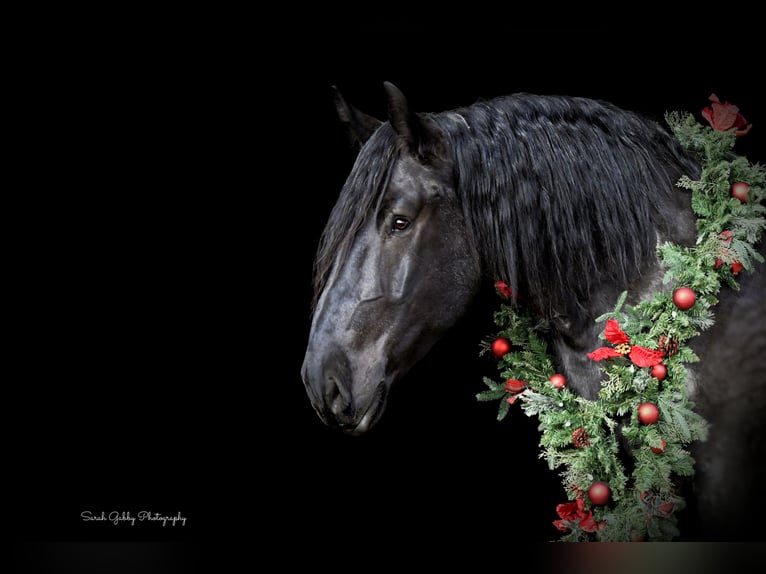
573 339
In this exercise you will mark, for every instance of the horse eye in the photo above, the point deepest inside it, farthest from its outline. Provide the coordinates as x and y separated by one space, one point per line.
400 223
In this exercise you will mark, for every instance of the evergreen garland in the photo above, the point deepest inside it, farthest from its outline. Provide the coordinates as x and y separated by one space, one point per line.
582 437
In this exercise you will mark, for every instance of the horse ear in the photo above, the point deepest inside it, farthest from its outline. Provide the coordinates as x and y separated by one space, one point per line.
400 116
358 125
419 133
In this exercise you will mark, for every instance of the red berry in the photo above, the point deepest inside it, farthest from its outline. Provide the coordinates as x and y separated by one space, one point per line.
558 381
661 448
599 493
648 413
684 298
659 371
500 347
740 190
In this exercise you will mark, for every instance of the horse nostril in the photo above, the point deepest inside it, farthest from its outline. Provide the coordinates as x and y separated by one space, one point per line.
328 378
338 397
339 406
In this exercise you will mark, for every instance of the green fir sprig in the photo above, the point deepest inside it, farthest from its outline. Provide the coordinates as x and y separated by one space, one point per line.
594 440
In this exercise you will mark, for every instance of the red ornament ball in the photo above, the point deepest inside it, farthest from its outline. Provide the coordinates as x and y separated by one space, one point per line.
500 347
558 381
648 413
684 298
659 371
661 448
599 493
740 190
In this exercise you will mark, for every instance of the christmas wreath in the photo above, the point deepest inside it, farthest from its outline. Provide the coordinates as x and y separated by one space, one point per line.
643 358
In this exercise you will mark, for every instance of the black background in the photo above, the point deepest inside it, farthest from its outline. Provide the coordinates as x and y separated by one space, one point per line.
174 200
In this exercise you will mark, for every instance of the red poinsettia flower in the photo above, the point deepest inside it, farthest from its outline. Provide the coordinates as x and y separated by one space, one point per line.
570 510
569 514
573 515
561 525
725 116
640 356
589 524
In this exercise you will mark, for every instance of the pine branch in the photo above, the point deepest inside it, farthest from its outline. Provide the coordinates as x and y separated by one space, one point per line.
490 395
537 403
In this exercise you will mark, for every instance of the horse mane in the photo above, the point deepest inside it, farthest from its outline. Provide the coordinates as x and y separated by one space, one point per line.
563 194
560 194
365 184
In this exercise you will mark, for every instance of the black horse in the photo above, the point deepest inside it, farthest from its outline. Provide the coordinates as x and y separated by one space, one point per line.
563 198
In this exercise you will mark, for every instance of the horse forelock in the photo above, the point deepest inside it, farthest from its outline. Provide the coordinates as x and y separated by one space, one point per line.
562 194
357 202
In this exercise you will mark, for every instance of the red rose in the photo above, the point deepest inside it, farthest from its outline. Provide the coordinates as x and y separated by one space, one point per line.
562 525
725 116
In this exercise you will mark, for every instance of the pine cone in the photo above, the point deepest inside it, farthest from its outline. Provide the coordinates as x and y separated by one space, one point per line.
580 438
668 346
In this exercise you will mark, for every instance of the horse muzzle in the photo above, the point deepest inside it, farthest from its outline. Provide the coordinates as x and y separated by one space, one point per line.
345 396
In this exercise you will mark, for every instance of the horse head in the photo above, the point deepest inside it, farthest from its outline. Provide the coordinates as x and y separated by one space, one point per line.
396 267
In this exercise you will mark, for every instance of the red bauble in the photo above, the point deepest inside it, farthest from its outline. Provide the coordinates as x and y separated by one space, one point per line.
500 347
558 381
661 448
599 493
684 298
659 371
740 190
648 413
